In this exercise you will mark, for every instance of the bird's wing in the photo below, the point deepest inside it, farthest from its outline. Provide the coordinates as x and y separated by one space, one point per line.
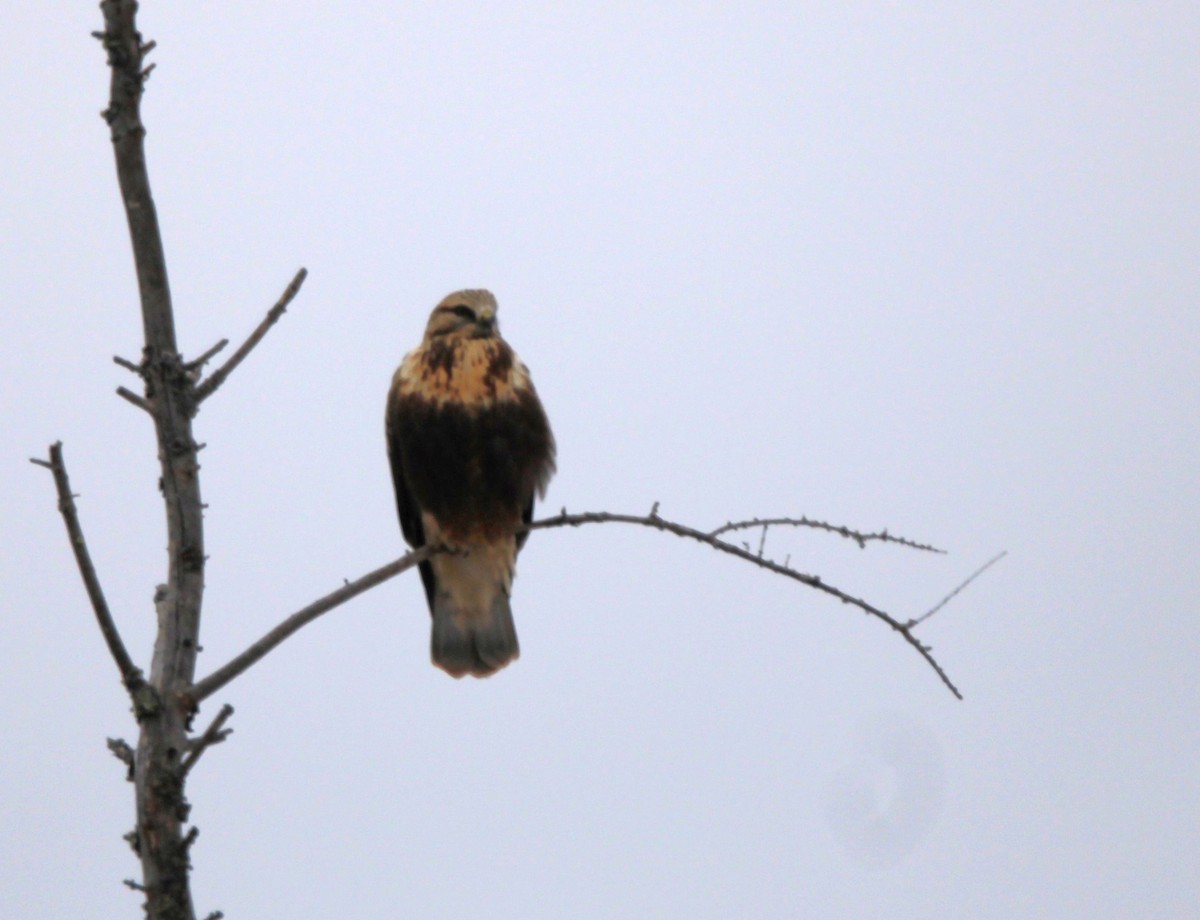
526 517
406 505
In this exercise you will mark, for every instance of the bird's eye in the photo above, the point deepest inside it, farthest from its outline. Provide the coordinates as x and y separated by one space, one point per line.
464 311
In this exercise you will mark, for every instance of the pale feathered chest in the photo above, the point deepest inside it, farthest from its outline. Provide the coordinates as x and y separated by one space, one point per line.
469 373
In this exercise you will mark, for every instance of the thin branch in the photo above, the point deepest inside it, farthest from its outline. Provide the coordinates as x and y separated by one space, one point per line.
124 753
217 377
657 523
945 600
857 536
139 401
124 48
131 675
196 363
121 750
227 672
223 675
127 364
214 734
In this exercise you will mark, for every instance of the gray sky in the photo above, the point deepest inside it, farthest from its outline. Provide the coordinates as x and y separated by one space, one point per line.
931 267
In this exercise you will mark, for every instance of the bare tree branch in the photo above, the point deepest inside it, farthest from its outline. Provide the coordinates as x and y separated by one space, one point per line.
657 523
131 675
945 600
127 364
227 672
217 377
214 734
196 363
223 675
856 535
131 397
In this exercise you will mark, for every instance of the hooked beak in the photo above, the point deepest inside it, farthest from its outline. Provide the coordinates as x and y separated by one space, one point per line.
485 323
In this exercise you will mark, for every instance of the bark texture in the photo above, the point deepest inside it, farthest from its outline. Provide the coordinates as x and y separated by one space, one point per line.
169 393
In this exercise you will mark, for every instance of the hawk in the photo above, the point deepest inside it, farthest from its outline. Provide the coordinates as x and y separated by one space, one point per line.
469 445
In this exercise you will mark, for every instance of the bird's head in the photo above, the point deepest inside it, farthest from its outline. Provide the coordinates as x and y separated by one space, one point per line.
463 315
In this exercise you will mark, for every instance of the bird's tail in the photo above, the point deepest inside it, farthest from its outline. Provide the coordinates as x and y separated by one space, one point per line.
478 644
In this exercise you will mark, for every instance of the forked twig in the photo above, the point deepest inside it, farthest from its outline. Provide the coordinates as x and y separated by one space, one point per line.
214 734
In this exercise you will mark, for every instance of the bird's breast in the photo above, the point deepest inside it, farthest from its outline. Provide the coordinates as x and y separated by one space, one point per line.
474 373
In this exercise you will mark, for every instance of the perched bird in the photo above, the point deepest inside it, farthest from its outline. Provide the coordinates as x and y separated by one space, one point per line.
469 445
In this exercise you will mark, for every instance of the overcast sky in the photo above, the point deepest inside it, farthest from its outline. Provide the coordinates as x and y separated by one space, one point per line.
931 267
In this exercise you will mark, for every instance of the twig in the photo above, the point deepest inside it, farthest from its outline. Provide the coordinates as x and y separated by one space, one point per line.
127 364
217 377
131 397
857 536
124 753
196 363
131 675
945 600
121 750
214 734
227 672
812 581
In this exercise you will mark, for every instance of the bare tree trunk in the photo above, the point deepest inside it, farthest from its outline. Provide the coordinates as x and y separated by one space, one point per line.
161 806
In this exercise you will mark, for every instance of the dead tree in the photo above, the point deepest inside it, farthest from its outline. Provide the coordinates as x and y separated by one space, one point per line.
174 389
